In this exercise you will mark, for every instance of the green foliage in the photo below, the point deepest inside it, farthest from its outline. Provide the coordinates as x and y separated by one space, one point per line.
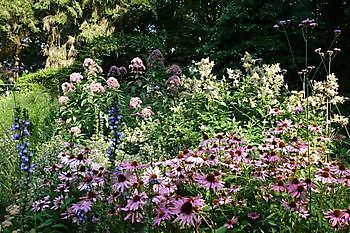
51 79
120 49
41 108
10 169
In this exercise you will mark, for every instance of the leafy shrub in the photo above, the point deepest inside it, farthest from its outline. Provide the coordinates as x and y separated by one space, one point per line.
41 108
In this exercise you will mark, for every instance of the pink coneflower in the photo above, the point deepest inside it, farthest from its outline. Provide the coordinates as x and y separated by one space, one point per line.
297 191
152 176
63 188
279 187
78 160
135 216
340 170
113 83
210 181
41 205
131 165
195 159
161 214
275 112
136 201
230 223
84 206
186 210
253 215
335 217
314 128
324 176
66 176
76 77
86 183
57 202
122 181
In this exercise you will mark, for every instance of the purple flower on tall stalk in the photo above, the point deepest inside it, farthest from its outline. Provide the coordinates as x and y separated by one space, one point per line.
21 134
114 117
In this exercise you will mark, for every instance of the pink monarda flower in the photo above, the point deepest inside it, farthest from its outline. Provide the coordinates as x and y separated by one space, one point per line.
96 87
67 87
135 102
113 83
210 181
186 210
335 217
136 202
136 65
63 100
75 77
75 131
146 113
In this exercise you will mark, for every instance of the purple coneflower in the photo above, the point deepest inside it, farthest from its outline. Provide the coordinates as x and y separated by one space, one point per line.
210 181
253 215
186 210
136 201
335 217
122 181
230 223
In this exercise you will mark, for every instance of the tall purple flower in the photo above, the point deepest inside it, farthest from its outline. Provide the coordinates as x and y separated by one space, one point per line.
21 128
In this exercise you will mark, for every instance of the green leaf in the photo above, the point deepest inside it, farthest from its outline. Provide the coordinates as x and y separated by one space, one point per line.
221 229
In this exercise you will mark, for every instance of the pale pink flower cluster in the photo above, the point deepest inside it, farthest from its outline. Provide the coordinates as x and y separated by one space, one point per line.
67 87
135 102
146 113
63 100
75 77
75 131
137 65
113 83
91 67
96 87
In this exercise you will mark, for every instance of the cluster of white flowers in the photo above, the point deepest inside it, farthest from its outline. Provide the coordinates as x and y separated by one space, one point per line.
328 90
343 121
204 67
